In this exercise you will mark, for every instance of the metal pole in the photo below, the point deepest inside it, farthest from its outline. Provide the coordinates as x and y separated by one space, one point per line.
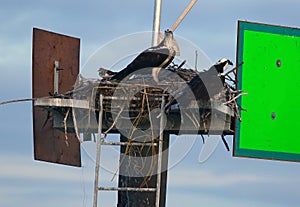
160 151
96 184
56 73
156 22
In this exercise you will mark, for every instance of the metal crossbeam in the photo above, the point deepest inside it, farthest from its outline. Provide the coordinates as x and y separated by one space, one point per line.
160 151
127 189
128 143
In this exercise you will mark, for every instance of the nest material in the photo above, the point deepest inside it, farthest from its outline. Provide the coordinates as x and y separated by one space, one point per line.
138 95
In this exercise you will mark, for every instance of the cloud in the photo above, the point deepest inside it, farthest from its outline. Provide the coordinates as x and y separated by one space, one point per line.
23 168
210 179
225 187
49 184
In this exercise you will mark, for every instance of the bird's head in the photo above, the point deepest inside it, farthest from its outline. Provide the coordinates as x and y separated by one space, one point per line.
222 65
168 33
170 41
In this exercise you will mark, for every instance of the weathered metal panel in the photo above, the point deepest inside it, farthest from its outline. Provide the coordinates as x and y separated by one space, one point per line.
50 145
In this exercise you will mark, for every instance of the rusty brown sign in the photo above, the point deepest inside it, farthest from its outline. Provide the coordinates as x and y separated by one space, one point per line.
52 50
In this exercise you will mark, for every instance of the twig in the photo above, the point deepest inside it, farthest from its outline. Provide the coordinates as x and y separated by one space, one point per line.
203 140
182 64
236 111
65 125
47 118
236 97
115 121
225 143
236 91
227 77
233 69
229 86
17 100
75 126
149 114
195 122
204 117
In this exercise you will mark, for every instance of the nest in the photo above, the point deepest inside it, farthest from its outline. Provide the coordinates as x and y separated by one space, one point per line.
135 97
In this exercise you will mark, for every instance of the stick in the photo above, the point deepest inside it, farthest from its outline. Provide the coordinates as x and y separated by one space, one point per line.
203 140
225 143
233 69
75 126
17 100
184 13
114 123
66 127
236 97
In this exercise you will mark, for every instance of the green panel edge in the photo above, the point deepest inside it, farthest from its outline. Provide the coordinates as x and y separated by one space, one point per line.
267 28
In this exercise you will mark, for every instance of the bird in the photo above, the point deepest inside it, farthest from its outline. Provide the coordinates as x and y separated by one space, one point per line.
221 66
154 58
207 84
105 73
204 85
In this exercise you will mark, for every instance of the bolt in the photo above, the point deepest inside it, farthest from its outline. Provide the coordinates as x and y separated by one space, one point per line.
278 63
273 115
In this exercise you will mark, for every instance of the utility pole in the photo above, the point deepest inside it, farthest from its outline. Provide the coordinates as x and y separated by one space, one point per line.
156 22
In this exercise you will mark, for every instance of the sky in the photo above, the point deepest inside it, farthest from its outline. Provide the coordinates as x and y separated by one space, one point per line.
211 25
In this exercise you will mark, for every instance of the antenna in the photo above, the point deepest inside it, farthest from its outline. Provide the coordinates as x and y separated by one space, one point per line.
196 60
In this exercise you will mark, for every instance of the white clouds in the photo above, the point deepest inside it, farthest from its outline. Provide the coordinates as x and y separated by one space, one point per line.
20 168
25 168
31 183
211 179
38 184
247 187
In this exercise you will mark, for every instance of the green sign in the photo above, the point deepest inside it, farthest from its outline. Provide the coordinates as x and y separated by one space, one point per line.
270 73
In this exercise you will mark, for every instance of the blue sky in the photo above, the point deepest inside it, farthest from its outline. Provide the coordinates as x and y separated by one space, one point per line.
211 25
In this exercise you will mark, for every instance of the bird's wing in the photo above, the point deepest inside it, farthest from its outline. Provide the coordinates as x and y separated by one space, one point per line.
152 57
104 73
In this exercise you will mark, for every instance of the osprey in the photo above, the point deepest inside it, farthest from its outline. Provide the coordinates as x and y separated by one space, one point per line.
221 66
154 58
105 73
204 85
211 82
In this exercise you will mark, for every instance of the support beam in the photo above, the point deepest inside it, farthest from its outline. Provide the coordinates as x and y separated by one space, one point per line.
141 199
